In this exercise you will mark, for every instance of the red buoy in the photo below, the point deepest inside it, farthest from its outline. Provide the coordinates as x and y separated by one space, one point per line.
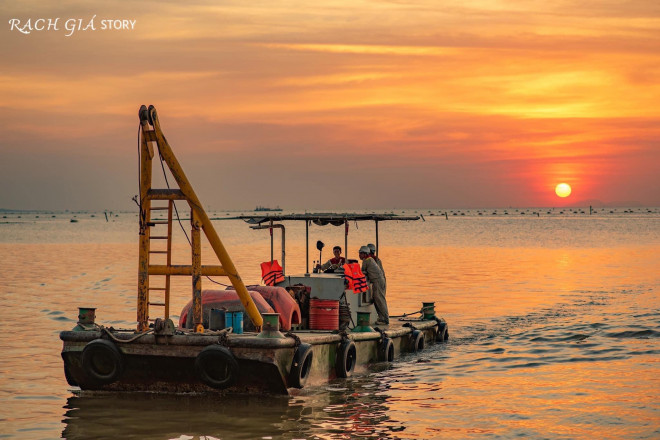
323 314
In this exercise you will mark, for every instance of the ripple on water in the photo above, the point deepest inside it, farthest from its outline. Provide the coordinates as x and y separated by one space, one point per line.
647 315
559 336
37 397
62 319
641 334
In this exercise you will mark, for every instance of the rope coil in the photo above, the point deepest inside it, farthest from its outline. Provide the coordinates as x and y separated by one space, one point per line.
223 339
418 312
295 337
122 341
410 324
382 333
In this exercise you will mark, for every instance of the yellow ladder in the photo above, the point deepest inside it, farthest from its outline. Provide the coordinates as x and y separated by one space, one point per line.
165 290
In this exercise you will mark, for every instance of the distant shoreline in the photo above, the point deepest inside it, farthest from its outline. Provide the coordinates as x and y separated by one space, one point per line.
418 211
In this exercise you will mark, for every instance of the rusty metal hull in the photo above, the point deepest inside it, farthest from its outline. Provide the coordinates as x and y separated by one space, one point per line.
167 363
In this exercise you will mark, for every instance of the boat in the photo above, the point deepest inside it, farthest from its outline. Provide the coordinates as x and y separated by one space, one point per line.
269 338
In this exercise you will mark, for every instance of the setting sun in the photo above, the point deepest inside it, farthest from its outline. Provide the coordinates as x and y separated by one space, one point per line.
563 190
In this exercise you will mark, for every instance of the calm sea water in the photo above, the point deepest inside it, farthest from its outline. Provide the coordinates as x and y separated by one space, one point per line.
554 325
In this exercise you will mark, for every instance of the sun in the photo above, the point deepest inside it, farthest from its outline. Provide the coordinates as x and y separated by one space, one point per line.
563 190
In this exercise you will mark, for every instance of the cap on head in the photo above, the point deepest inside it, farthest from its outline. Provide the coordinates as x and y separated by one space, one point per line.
365 250
372 248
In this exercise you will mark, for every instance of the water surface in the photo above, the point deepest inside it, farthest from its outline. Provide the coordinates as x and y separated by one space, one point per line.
554 330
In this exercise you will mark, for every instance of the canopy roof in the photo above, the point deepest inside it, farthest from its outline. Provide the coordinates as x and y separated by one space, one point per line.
323 219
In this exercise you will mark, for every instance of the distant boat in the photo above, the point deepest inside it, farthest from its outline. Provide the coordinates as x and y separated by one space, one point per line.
73 220
260 208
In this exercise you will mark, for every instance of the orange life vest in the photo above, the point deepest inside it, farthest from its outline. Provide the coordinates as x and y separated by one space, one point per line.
357 282
271 272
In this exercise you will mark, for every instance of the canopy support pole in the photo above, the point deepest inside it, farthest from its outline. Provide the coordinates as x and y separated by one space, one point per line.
271 242
346 238
377 246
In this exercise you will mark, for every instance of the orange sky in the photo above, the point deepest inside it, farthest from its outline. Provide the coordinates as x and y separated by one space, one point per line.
338 105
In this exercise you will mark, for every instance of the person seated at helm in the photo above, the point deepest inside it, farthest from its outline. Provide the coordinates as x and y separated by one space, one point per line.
333 263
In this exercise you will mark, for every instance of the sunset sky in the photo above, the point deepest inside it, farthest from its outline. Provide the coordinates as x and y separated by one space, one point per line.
336 104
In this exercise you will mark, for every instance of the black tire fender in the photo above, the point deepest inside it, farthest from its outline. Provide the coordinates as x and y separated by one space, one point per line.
301 366
443 332
102 362
346 359
69 379
217 367
418 340
386 350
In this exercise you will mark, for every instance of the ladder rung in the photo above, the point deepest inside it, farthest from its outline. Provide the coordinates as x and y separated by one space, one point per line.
165 194
159 208
157 304
158 237
157 252
157 288
161 269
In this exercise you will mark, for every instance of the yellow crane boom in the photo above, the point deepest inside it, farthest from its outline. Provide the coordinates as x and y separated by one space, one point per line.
151 133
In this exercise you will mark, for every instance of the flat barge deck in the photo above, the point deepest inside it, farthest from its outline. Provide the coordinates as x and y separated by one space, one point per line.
175 363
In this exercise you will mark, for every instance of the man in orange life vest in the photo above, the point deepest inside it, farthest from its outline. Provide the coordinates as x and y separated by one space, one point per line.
377 280
333 263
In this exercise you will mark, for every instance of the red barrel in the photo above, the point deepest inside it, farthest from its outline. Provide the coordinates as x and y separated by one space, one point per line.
324 314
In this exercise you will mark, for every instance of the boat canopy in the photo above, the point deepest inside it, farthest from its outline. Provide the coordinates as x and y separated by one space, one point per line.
320 219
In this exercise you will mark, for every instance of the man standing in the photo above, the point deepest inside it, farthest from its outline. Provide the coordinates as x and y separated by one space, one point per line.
377 280
372 254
